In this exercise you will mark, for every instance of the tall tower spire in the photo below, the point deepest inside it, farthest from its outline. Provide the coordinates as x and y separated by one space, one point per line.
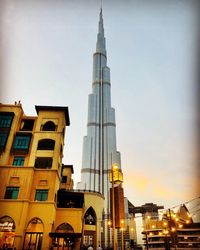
99 146
101 43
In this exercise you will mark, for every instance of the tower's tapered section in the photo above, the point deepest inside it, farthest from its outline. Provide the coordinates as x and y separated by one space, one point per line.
99 146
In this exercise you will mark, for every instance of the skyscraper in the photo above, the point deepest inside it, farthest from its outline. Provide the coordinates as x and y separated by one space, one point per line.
99 146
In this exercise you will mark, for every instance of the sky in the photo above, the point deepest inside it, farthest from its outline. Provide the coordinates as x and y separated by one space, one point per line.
46 50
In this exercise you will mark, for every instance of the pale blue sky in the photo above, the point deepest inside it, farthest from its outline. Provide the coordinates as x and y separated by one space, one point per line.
46 59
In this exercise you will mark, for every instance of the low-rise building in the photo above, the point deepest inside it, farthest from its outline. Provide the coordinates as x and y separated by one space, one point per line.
174 231
38 207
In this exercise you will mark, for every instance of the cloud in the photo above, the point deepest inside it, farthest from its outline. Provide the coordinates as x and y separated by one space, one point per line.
141 186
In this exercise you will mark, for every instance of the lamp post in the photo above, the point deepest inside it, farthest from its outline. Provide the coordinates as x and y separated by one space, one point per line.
114 168
122 233
167 243
116 177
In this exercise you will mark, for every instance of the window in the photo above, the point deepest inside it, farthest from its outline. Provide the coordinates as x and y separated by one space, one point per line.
64 179
3 139
90 217
6 119
43 162
66 199
11 193
22 142
65 228
18 161
7 224
41 195
33 235
46 144
49 126
27 125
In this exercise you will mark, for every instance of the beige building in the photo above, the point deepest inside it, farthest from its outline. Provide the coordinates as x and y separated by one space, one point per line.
38 207
174 231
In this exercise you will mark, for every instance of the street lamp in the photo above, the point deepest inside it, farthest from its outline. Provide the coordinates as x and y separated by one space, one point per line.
114 168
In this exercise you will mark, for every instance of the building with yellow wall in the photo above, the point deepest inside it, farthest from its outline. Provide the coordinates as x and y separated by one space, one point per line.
38 207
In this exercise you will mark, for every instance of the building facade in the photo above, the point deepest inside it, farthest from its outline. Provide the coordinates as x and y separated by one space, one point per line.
38 207
173 231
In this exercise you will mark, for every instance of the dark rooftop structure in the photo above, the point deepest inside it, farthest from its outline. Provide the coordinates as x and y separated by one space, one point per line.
55 108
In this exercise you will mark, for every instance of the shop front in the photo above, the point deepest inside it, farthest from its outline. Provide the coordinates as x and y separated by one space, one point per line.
64 238
7 232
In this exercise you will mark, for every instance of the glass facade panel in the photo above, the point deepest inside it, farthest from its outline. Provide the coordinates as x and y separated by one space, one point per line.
18 161
41 195
11 193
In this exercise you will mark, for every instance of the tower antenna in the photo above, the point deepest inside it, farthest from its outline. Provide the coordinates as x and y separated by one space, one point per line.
101 4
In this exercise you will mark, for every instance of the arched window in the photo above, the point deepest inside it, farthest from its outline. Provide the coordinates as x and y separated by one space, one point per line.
90 217
49 126
7 228
7 224
64 228
34 234
46 144
35 225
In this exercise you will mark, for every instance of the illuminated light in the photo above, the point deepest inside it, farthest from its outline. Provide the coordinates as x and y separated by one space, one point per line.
165 223
142 229
174 215
165 231
122 229
148 217
176 219
115 166
109 223
122 221
173 229
131 229
180 226
160 233
187 221
153 226
151 234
